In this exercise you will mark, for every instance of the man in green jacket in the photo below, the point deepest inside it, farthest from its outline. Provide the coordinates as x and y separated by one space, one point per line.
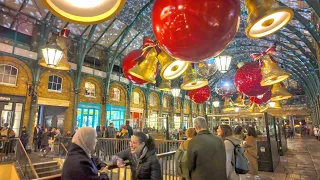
206 154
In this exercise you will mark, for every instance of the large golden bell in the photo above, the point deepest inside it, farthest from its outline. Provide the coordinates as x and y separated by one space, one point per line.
165 85
262 108
271 72
62 65
147 68
228 105
239 101
265 17
251 108
192 80
279 93
171 68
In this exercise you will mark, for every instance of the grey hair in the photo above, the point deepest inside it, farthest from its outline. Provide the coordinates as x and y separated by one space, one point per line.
201 122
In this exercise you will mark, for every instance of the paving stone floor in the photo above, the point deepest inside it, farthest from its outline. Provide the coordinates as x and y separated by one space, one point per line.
300 162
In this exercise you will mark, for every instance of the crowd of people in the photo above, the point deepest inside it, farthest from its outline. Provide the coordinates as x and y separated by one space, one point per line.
205 155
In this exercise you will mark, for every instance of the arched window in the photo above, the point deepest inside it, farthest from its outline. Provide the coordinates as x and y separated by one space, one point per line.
89 89
136 98
55 83
115 94
152 100
8 74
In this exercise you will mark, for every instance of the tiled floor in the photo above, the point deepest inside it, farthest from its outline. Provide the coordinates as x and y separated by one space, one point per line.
300 162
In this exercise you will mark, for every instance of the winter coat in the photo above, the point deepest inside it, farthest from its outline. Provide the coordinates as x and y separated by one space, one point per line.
111 132
45 136
252 154
147 167
230 159
130 130
24 137
207 157
37 134
78 166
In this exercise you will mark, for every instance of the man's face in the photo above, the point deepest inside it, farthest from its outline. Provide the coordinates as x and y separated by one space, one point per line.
111 125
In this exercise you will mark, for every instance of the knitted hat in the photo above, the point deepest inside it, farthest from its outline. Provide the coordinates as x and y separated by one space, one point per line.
190 132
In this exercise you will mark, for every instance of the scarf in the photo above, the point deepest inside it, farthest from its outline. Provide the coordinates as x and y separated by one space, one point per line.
85 137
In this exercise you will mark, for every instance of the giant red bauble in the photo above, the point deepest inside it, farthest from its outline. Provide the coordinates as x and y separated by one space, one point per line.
247 80
263 99
128 63
200 95
194 30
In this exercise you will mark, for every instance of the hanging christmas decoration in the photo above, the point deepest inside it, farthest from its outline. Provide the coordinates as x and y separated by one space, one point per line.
279 93
247 80
270 71
225 88
239 101
129 62
193 31
206 68
192 80
261 98
200 95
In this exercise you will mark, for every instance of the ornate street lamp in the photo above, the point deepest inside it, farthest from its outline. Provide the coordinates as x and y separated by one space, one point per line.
52 52
223 62
175 92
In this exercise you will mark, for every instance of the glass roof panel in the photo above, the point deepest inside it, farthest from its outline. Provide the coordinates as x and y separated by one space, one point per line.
113 32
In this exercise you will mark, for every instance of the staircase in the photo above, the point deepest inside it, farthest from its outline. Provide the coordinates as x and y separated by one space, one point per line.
48 170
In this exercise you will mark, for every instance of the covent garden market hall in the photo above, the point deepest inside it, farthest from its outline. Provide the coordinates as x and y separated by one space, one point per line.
155 66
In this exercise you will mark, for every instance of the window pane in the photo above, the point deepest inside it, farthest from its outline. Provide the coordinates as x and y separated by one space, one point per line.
12 80
13 71
54 78
54 86
58 87
1 76
7 69
6 78
50 78
59 80
1 69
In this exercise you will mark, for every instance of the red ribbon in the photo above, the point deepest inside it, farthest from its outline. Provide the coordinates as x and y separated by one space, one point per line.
148 44
258 56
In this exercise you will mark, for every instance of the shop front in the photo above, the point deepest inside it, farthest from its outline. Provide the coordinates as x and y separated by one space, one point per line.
116 115
11 108
88 114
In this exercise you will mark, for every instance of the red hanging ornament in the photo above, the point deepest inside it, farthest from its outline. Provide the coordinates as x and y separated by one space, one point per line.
195 31
247 80
261 99
200 95
128 62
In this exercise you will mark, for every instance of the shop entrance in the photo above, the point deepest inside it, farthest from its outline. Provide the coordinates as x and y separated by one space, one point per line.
51 117
116 115
88 115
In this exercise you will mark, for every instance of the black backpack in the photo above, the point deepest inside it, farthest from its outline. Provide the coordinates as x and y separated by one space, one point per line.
241 163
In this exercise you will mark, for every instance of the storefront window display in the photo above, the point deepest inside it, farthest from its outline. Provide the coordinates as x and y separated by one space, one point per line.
88 115
116 115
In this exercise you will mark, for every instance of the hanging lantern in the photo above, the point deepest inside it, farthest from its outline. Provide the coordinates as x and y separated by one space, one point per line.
225 88
175 91
239 101
200 95
147 68
128 63
186 30
279 93
192 80
261 99
223 62
266 17
171 68
52 52
271 72
247 80
84 11
216 104
165 85
206 68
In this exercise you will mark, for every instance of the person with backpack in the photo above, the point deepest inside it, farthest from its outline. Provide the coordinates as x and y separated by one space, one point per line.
234 153
181 155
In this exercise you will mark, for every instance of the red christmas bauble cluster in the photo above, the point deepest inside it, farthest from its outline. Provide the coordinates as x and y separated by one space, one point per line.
247 80
195 31
261 100
200 95
128 63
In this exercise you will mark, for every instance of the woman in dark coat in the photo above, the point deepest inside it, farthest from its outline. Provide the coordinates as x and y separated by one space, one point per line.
45 136
79 165
142 158
24 137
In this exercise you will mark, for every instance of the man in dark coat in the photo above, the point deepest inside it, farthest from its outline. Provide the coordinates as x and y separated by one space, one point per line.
129 128
37 137
24 137
206 154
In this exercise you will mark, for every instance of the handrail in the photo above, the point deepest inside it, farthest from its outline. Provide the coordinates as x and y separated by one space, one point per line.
64 148
49 177
166 154
29 161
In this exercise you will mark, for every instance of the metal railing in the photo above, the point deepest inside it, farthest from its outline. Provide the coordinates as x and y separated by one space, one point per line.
12 151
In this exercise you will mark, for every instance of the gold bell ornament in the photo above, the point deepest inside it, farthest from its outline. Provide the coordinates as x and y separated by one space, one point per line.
251 108
165 85
239 101
192 80
271 72
279 93
171 68
275 104
146 69
265 17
